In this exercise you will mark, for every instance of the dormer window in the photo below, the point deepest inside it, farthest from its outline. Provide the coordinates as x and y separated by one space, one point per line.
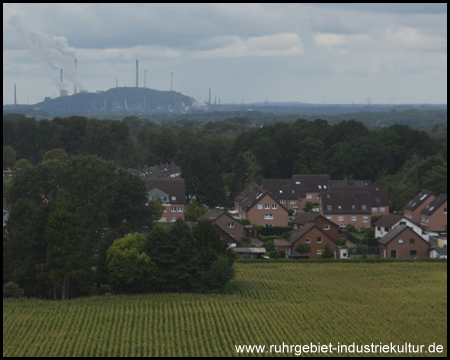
329 207
281 191
353 207
320 186
339 207
297 183
174 198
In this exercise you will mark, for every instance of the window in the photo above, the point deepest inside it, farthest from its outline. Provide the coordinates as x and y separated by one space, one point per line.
274 206
307 240
330 218
281 191
364 207
297 182
382 209
379 228
339 207
319 240
340 218
353 218
445 210
174 198
324 186
268 225
353 207
291 202
231 225
174 219
326 227
260 206
309 196
174 208
411 241
165 198
320 186
288 252
329 207
232 235
413 252
295 226
163 219
281 201
318 196
365 219
400 241
266 206
180 209
268 216
300 201
319 251
374 210
165 209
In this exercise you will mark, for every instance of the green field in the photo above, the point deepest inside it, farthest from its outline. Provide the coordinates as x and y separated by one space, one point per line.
268 303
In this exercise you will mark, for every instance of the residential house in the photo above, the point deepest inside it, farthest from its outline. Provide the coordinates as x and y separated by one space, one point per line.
158 171
7 174
320 221
403 243
346 207
417 204
232 242
227 223
313 185
172 193
379 200
260 207
433 217
309 234
289 192
391 221
438 247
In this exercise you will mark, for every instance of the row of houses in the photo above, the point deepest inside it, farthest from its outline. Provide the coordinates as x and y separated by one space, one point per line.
342 202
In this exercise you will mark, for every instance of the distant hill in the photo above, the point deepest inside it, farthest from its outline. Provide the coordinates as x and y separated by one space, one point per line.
117 99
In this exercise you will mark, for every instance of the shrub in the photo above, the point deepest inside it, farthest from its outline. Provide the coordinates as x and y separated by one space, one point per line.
327 252
11 289
245 222
274 254
282 254
274 230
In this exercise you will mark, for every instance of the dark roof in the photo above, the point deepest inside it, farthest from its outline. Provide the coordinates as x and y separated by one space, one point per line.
284 188
224 235
441 251
352 183
295 235
313 183
281 242
388 220
378 194
304 218
435 204
251 195
211 214
158 171
345 202
394 233
418 200
171 186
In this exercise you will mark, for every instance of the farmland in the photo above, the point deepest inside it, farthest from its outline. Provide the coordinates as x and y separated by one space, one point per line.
267 303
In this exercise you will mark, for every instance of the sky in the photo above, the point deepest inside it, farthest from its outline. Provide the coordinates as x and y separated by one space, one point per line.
312 53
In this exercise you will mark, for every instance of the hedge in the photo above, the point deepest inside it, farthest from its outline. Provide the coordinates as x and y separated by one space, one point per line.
274 230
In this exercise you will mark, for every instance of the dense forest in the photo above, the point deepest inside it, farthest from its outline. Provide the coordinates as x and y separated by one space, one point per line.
218 158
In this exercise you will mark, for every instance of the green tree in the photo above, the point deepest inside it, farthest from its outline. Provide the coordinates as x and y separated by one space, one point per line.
9 157
193 210
55 155
130 268
21 164
302 248
66 252
327 252
308 206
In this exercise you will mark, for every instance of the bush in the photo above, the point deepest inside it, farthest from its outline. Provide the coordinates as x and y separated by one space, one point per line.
274 254
245 222
11 289
327 252
269 245
274 230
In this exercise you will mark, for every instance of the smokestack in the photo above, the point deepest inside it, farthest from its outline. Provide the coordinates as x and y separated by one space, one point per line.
137 73
209 97
15 98
75 87
60 74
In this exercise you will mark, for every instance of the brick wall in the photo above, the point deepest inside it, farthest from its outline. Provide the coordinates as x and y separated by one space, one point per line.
404 250
348 219
236 230
313 234
257 215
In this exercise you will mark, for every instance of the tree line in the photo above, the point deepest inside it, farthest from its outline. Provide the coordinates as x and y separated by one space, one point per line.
218 159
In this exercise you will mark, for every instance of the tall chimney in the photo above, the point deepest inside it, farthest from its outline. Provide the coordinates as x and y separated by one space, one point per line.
75 87
15 98
137 72
60 74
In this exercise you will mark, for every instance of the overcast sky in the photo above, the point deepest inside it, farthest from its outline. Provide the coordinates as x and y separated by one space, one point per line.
316 53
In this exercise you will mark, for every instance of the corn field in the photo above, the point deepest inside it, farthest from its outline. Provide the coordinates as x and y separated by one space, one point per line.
267 303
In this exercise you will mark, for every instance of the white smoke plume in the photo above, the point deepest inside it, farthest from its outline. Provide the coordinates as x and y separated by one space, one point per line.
54 50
